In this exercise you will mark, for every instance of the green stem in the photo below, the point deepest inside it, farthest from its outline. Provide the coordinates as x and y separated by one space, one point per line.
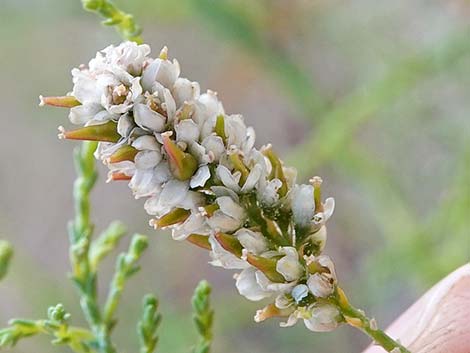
80 233
123 22
356 318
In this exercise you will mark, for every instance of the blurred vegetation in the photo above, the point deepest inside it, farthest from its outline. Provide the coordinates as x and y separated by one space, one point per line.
377 103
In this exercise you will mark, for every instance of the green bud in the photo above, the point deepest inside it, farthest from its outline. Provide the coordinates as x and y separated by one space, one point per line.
277 169
125 153
58 313
199 240
62 101
267 266
178 215
182 165
229 243
220 128
104 132
138 245
238 165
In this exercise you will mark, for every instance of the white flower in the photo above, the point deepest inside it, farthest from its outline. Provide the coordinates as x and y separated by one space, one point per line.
128 55
195 224
323 318
289 265
223 258
187 131
303 205
148 119
321 284
162 71
253 242
284 301
248 286
185 91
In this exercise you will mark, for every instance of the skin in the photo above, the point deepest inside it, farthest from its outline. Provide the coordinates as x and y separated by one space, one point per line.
439 322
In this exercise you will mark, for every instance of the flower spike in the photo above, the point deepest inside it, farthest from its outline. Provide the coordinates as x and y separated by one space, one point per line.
202 177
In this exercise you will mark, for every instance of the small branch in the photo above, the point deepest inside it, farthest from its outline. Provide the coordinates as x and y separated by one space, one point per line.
203 317
123 22
126 266
76 338
148 325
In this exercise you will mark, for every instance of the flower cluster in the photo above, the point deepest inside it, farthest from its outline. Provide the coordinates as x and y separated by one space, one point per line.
203 178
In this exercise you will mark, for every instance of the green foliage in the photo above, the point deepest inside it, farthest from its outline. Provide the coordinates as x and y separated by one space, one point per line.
203 317
106 243
85 256
148 325
126 266
124 22
78 339
6 253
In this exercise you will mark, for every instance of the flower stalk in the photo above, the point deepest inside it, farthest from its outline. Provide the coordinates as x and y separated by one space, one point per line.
356 318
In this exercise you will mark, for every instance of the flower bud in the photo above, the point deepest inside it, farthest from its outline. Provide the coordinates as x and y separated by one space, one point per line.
229 243
270 311
199 240
62 101
220 128
267 266
116 176
125 153
239 166
104 132
182 165
277 169
178 215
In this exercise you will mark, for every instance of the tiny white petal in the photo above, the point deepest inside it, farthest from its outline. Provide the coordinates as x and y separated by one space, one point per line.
187 131
224 191
321 284
148 119
147 159
248 286
146 142
252 241
328 208
289 265
223 222
303 204
81 114
222 258
299 292
323 318
252 179
227 178
200 178
125 125
231 208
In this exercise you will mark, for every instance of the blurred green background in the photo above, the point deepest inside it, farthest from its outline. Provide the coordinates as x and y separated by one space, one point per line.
371 95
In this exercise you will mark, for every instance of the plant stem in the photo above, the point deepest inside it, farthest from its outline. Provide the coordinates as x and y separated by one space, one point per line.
123 22
80 232
359 320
